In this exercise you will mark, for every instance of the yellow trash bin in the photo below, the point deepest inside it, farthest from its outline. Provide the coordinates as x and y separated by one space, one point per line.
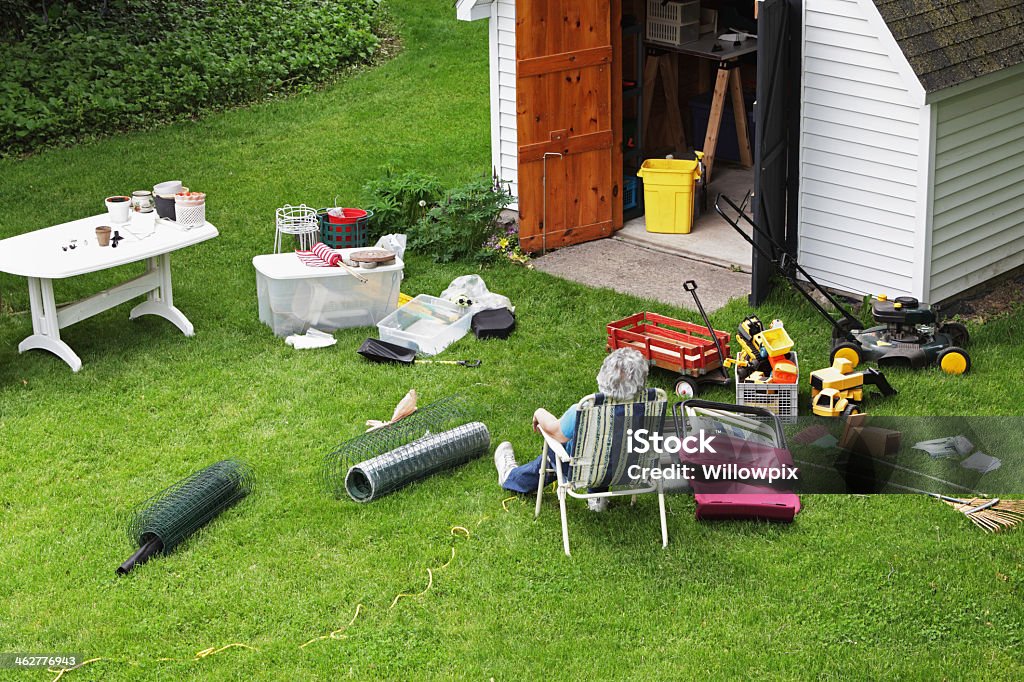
668 193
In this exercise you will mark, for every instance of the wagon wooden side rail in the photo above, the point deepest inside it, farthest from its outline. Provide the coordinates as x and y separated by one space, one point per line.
671 344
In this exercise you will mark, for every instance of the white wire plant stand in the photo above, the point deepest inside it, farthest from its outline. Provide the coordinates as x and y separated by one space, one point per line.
301 223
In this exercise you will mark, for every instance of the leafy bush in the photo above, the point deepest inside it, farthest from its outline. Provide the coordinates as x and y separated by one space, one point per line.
400 200
130 63
457 227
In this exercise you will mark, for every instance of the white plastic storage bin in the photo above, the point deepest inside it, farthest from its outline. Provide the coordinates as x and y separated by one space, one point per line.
673 23
293 296
779 399
426 324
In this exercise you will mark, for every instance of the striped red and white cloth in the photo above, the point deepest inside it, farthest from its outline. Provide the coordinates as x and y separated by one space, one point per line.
321 256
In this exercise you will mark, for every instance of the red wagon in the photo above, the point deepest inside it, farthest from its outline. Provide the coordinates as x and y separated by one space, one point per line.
675 345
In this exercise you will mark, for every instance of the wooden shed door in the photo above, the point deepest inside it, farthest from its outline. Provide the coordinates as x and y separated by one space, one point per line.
569 121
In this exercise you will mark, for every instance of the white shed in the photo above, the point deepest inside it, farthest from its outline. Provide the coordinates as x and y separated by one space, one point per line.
911 144
504 145
911 136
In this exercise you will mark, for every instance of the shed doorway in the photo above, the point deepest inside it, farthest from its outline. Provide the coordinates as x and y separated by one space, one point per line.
673 92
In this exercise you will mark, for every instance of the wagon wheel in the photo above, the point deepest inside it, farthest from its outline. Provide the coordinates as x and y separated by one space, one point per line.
687 387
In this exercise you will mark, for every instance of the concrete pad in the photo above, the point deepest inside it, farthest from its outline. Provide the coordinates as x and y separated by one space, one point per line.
711 240
632 269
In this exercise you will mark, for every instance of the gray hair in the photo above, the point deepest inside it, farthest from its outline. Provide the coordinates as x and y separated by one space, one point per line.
623 374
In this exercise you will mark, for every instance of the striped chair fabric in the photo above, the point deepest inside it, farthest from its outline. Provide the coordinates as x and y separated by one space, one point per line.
600 456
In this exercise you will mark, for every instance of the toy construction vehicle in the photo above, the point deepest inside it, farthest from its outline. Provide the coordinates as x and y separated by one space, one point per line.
765 355
839 391
907 334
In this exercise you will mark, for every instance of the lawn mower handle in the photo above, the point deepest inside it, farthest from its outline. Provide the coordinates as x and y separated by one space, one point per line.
788 267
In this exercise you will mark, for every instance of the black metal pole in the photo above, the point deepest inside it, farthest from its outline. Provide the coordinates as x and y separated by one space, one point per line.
141 556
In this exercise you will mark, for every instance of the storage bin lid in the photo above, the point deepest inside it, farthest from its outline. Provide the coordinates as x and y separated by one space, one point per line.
667 169
425 307
288 266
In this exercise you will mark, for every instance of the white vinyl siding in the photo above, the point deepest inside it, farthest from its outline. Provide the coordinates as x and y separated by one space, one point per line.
978 212
862 154
504 142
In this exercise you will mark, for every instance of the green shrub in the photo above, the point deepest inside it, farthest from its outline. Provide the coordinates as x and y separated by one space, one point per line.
457 227
400 200
134 63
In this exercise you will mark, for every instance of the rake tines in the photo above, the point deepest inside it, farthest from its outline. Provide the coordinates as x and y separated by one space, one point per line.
990 515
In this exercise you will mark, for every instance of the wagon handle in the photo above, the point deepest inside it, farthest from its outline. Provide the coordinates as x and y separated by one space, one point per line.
691 286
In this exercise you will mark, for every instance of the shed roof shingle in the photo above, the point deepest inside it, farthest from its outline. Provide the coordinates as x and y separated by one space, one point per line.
948 42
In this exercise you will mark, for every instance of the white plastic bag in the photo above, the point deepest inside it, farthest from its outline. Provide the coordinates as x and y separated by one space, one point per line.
393 242
470 291
313 338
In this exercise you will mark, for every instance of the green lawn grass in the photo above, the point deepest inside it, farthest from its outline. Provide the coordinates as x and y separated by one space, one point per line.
857 588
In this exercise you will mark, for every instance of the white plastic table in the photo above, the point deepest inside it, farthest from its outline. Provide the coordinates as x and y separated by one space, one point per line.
39 257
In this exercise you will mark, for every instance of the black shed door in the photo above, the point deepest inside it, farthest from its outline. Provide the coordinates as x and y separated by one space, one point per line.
776 115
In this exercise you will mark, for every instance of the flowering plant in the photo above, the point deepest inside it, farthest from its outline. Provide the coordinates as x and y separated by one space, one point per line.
505 244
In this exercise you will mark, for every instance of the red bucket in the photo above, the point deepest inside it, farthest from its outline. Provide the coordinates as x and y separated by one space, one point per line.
344 228
344 216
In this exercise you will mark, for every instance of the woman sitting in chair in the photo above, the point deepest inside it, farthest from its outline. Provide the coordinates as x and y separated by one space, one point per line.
621 378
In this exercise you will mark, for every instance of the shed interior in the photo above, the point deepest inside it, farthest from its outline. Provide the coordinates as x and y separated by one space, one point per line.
667 101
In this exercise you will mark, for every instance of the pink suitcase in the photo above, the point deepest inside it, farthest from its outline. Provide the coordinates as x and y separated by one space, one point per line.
738 499
771 506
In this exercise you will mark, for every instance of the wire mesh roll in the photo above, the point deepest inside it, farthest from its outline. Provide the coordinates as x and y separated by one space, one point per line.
428 455
166 519
432 418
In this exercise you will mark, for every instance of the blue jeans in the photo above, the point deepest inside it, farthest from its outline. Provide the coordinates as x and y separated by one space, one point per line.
524 478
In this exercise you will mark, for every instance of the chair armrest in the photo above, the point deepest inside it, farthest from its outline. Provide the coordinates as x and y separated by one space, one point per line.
557 448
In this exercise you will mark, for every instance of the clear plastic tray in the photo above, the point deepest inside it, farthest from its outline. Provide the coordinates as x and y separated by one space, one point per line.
426 324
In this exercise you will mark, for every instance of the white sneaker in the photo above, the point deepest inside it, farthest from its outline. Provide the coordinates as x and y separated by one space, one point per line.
597 504
504 461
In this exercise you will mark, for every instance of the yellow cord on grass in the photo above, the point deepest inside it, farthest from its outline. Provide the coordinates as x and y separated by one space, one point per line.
456 531
337 633
199 656
430 583
61 671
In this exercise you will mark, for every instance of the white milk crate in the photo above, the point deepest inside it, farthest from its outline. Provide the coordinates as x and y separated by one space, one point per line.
779 399
673 23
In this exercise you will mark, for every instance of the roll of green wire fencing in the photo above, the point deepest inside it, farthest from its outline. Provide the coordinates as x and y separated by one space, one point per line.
166 519
428 455
433 418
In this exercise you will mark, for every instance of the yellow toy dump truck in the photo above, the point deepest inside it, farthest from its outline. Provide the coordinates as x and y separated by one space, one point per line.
839 391
765 353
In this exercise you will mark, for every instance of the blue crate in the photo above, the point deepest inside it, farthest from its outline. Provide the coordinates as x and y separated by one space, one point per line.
629 192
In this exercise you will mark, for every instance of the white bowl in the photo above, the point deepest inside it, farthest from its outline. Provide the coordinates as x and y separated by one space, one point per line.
169 187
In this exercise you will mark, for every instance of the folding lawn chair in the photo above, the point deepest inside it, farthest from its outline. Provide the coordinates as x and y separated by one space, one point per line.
600 457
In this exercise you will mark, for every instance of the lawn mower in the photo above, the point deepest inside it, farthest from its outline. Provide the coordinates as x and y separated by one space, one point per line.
906 335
